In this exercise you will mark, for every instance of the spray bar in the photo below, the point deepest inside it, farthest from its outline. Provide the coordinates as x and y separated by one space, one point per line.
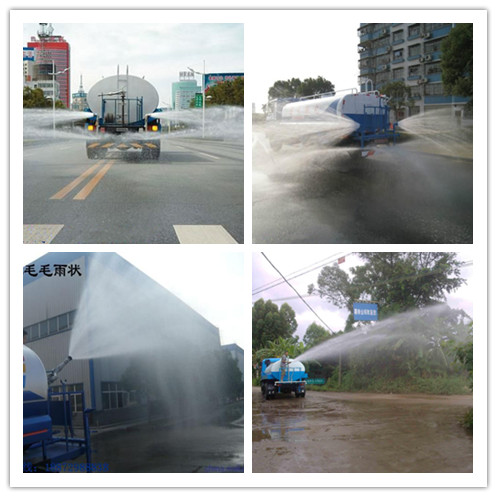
52 374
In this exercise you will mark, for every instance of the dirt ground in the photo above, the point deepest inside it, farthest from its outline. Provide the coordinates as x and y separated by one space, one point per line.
328 432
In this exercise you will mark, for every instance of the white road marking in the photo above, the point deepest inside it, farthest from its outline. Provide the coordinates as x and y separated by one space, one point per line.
202 234
40 233
208 155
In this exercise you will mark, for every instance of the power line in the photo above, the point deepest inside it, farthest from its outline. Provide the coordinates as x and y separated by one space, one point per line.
312 267
301 298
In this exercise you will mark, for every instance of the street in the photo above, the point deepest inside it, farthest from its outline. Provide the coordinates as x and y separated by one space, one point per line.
192 194
329 432
215 446
406 193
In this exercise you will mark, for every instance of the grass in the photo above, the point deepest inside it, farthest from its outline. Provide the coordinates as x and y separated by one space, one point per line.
437 385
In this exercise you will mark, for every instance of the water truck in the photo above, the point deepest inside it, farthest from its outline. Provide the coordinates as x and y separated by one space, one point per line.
272 382
48 432
353 117
122 106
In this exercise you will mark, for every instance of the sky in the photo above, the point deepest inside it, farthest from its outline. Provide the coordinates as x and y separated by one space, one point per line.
303 45
157 51
293 261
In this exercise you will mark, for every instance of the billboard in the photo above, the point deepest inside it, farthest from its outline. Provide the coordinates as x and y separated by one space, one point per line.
215 78
28 53
365 311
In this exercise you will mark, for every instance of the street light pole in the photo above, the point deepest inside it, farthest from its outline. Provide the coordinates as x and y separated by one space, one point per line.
203 102
53 74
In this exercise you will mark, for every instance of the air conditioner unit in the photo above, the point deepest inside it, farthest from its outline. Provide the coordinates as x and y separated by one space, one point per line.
426 35
427 58
384 31
421 58
422 81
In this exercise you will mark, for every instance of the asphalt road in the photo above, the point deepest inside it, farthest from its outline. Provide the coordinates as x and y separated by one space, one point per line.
407 193
329 432
192 194
153 448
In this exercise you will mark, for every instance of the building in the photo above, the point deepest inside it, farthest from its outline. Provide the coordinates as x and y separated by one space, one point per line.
410 53
118 306
236 353
53 51
80 99
184 90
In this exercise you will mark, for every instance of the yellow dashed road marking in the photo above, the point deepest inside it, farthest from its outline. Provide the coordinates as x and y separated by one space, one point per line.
93 182
73 184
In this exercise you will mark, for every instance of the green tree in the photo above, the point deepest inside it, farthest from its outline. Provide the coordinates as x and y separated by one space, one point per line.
457 61
276 348
270 323
397 281
284 89
296 88
227 93
34 98
315 86
315 334
399 96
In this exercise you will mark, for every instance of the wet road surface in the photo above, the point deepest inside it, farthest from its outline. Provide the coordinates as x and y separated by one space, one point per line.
158 448
194 191
328 432
405 193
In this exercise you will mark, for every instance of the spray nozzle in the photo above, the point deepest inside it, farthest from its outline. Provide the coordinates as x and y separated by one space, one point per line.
52 374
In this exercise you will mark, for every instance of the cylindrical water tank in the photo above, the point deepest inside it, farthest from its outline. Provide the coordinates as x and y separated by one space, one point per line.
35 385
37 424
133 88
293 366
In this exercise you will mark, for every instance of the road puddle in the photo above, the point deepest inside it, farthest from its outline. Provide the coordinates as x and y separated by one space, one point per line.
364 433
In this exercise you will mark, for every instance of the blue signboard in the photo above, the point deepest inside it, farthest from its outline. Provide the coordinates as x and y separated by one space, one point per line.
365 312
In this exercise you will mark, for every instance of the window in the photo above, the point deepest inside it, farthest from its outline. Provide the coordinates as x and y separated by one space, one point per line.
433 46
397 54
415 50
52 325
76 400
434 68
434 89
398 35
113 396
414 30
398 73
435 25
43 329
63 322
415 71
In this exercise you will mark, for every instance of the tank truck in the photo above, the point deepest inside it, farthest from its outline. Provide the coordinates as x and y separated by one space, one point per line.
124 117
365 117
48 433
272 382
